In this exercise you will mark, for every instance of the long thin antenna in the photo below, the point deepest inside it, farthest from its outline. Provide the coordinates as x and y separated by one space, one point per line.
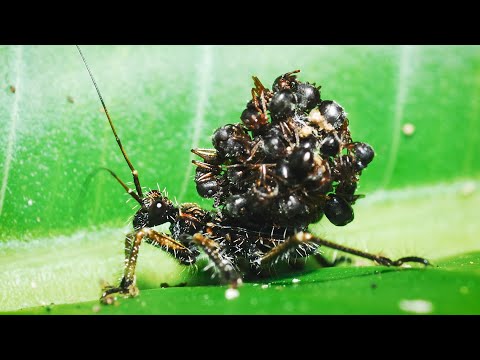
134 172
127 189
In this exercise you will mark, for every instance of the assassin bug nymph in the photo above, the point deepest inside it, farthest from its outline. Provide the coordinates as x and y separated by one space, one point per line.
289 162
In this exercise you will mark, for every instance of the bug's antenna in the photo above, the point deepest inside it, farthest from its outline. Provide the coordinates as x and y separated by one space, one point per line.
134 172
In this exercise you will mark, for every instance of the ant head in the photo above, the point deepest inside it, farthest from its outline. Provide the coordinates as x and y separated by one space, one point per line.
286 81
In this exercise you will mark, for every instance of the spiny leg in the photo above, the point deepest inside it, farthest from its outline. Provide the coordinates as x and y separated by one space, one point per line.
279 251
382 260
228 272
324 262
305 238
132 246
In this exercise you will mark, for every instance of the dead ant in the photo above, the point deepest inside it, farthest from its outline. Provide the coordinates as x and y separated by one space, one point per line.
289 162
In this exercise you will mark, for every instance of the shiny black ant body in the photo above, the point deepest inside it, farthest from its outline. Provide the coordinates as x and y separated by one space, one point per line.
289 162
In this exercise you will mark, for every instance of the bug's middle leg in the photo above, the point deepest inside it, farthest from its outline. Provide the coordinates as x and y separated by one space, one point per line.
132 246
228 271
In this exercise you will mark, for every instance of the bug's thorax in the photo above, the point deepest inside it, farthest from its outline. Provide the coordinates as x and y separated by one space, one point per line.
189 219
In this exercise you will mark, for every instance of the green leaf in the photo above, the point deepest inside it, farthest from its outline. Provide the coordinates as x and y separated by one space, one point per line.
62 222
452 287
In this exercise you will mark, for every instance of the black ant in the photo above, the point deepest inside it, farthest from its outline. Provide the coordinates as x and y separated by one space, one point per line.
289 162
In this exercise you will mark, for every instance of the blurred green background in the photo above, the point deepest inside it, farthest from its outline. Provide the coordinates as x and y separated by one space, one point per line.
62 224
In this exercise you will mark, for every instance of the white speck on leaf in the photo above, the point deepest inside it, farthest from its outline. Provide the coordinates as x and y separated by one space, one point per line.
231 294
416 306
265 286
33 284
408 129
296 281
30 202
464 290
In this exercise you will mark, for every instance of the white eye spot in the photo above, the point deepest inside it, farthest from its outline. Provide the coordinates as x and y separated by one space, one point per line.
159 205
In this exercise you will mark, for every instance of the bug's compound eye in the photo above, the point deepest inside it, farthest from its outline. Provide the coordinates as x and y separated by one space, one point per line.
282 105
363 155
329 145
236 206
338 211
160 210
308 96
333 113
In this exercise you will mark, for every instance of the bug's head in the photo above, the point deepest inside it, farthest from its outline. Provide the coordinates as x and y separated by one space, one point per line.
156 209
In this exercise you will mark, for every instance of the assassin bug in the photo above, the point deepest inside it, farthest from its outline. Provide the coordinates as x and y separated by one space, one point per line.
289 162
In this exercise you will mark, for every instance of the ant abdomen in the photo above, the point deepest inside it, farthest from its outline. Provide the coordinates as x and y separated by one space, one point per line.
363 155
338 210
301 162
330 146
282 105
308 96
333 113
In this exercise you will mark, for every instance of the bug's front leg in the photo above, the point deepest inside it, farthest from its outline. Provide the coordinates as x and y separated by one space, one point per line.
133 241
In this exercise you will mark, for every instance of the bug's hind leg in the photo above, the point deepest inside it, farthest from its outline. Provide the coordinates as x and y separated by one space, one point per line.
133 240
228 271
324 262
381 260
304 238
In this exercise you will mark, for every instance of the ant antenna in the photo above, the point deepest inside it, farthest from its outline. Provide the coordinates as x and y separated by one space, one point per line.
139 194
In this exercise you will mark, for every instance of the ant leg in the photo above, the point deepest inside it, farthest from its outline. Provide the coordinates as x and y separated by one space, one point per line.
302 237
132 246
214 251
